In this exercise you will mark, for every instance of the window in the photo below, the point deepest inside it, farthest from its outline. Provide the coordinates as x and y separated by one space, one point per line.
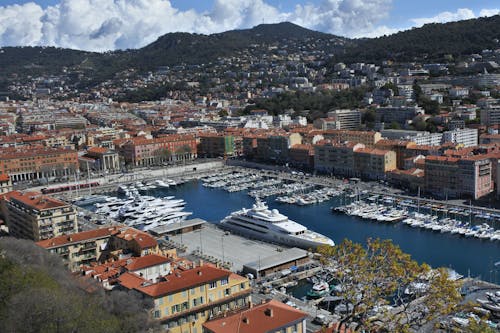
166 311
160 301
192 291
242 286
213 285
202 288
184 293
157 314
223 282
227 292
170 298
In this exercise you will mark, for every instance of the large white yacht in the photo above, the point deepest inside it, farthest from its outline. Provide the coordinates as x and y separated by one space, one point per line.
270 225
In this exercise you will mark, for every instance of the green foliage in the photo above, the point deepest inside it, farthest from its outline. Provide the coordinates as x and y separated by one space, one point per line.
368 277
432 42
37 294
318 103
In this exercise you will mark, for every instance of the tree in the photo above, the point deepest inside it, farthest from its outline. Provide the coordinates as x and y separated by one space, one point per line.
371 278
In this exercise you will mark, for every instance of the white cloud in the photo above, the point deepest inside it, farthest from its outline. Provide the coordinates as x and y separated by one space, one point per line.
101 25
489 12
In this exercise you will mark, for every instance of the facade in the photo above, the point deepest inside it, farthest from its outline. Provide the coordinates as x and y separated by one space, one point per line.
215 145
401 115
468 137
35 216
369 139
98 245
100 159
170 148
373 163
28 163
302 156
276 147
5 183
490 115
456 177
188 296
268 317
418 137
339 120
337 158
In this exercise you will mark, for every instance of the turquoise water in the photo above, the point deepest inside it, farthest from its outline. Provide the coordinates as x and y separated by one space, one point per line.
465 255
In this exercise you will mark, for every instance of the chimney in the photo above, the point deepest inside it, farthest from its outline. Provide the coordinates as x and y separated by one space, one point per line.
199 273
269 312
250 304
246 320
201 262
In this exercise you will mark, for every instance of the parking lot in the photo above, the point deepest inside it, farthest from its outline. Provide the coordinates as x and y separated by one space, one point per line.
218 244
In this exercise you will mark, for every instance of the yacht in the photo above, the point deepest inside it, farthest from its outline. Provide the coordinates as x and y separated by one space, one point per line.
270 225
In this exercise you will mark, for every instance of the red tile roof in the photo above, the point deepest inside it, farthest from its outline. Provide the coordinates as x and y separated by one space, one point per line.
37 200
181 280
146 261
262 318
77 237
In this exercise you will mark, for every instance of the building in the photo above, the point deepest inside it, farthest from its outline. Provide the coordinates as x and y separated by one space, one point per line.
98 245
373 163
215 145
5 183
188 295
100 159
302 156
490 115
36 216
275 147
36 162
166 149
340 120
268 317
468 137
287 259
336 158
451 177
400 147
369 139
418 137
401 115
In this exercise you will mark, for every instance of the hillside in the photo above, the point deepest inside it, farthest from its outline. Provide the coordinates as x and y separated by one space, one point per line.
431 42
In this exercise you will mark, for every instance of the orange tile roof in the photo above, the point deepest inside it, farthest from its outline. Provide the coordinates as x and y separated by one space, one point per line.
262 318
131 280
146 261
4 178
97 150
143 239
181 280
37 200
77 237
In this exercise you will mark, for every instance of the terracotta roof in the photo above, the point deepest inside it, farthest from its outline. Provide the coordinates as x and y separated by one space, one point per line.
78 237
262 318
180 280
144 240
97 150
4 178
37 200
131 280
146 261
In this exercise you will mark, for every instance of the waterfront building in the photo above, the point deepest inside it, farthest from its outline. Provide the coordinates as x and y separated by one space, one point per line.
275 147
98 245
170 148
100 159
337 158
215 145
35 216
373 163
399 147
412 179
369 139
302 156
37 162
269 316
456 177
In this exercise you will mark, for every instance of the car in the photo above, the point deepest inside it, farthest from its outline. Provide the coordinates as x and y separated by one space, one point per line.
320 319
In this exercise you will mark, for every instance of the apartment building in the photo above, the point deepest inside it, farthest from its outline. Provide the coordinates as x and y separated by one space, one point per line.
36 216
401 115
490 115
468 137
302 156
369 139
5 184
36 162
337 158
269 316
275 147
454 177
373 163
185 295
215 145
98 245
169 148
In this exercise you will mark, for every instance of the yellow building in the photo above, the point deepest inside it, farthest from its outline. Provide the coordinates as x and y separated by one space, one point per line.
374 163
191 295
36 216
97 245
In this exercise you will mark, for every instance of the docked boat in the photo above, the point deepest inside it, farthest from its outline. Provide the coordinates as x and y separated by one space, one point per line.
270 225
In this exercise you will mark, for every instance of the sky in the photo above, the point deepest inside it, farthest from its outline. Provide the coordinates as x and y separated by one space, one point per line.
103 25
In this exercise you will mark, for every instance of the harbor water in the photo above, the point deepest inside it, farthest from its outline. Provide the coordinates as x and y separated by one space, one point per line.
468 256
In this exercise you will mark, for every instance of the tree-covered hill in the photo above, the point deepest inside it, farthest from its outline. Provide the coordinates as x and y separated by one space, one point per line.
431 42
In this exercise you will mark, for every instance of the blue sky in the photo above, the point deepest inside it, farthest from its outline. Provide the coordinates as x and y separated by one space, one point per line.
117 24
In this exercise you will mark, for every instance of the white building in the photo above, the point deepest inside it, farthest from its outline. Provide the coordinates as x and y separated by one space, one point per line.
466 136
346 119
